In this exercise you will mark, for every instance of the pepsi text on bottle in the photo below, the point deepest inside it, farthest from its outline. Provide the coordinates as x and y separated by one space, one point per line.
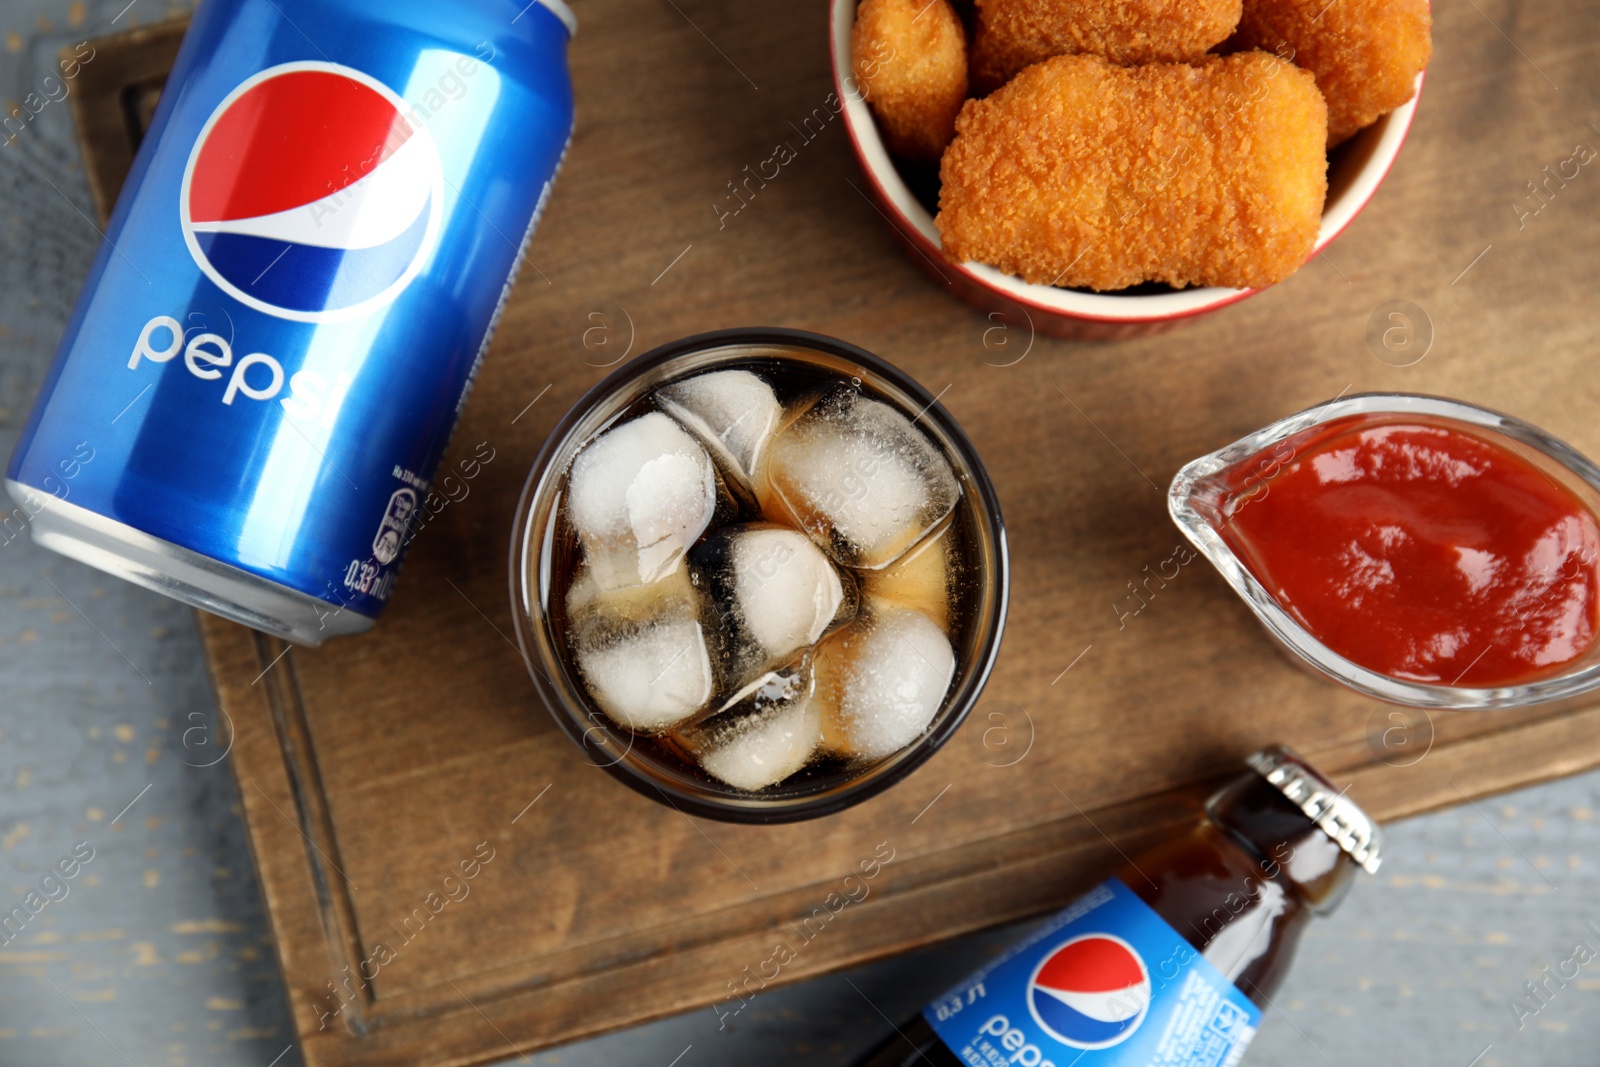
297 286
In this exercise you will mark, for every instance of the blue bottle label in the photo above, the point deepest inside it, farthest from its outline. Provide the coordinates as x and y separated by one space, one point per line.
1105 982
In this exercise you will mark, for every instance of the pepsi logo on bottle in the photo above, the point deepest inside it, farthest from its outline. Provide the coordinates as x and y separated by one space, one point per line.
1090 992
1106 983
311 195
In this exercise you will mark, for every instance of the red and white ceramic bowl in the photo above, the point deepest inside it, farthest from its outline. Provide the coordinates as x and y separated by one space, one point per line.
1355 170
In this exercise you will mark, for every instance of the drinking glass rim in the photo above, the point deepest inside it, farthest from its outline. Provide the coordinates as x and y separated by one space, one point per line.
883 774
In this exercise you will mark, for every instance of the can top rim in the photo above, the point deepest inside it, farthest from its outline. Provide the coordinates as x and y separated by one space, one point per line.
561 11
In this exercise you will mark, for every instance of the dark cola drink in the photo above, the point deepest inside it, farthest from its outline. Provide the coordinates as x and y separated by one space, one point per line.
764 572
1171 961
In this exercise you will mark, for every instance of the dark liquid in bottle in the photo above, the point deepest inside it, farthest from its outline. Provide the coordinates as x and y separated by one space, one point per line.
1239 888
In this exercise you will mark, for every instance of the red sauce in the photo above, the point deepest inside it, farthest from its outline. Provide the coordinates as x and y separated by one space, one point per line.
1422 550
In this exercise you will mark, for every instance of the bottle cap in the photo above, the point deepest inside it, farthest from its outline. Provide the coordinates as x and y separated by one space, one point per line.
1334 813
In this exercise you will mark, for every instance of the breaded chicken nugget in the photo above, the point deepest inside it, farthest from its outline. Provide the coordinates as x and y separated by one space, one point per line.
910 59
1366 54
1012 34
1081 173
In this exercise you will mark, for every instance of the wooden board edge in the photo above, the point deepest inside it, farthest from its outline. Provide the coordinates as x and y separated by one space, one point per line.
304 917
1032 882
107 139
675 982
1029 881
1492 763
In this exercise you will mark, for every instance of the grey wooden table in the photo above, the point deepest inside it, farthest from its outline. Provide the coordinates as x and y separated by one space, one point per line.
159 954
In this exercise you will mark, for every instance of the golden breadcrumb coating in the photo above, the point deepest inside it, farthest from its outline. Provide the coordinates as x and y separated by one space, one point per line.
1366 54
1013 34
1084 174
910 60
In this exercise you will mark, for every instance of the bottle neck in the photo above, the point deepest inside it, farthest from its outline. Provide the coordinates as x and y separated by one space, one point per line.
1242 885
1283 840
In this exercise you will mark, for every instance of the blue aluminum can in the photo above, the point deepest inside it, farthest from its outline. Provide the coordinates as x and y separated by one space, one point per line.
294 294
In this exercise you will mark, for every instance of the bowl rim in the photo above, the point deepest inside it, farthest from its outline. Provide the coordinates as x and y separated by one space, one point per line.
1288 632
914 222
959 702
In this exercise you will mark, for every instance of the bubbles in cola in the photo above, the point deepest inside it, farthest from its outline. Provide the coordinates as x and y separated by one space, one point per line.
766 574
923 578
860 478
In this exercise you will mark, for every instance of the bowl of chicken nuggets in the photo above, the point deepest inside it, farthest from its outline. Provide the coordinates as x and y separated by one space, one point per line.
1111 168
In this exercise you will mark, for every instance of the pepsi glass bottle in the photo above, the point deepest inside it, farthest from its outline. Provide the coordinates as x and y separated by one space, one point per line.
1172 960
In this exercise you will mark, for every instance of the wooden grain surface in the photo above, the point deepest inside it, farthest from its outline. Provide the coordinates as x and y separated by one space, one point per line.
371 767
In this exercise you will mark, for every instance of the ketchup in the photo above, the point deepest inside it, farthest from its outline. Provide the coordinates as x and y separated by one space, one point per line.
1421 549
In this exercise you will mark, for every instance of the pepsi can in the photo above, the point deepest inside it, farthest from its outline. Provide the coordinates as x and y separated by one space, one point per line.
292 300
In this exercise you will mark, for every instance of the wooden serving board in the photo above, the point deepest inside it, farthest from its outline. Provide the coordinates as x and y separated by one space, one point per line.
371 768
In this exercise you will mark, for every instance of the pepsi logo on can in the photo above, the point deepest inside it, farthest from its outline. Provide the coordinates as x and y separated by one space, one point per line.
303 225
1090 992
